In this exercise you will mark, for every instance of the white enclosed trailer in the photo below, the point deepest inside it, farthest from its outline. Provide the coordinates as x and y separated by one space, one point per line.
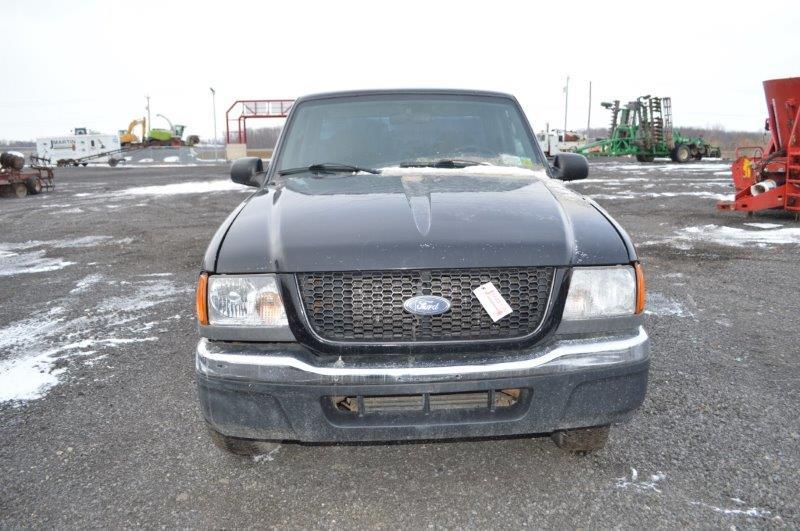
82 147
554 141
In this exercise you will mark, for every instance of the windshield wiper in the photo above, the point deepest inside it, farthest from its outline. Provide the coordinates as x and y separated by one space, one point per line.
328 167
442 163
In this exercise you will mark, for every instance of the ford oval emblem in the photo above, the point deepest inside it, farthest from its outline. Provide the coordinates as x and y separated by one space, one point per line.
426 305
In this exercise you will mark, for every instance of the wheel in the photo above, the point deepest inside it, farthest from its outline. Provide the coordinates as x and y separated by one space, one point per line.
645 158
84 164
681 154
238 446
34 185
581 439
20 190
113 162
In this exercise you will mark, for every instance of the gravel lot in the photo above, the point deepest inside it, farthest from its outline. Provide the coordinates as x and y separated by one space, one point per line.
97 337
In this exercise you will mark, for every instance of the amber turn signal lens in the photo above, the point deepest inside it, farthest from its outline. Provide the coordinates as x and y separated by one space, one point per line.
639 287
201 299
269 307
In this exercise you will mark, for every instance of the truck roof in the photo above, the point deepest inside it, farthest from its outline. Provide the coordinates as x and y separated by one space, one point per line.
379 92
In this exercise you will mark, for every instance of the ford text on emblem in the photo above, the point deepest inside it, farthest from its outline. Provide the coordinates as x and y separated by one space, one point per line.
426 305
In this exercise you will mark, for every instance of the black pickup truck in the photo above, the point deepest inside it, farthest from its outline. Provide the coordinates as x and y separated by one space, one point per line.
411 267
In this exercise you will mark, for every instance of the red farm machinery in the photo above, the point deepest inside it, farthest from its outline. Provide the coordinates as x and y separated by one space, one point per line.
768 177
18 181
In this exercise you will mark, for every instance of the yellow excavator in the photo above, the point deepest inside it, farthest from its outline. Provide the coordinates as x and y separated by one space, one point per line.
127 137
156 137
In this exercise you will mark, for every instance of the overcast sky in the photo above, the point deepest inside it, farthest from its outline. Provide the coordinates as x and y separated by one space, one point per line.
82 63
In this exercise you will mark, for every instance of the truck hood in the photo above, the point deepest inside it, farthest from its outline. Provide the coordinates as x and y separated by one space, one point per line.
416 219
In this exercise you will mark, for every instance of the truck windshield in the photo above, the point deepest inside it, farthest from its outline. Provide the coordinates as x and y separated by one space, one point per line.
382 131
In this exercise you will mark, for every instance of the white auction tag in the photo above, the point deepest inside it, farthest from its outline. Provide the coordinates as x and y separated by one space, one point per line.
491 300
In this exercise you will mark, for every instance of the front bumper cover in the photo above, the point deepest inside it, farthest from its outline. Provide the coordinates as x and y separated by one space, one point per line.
282 390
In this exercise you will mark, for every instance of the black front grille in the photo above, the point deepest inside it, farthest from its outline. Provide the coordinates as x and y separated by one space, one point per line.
368 306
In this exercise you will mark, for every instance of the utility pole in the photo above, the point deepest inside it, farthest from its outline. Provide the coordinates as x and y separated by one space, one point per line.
566 104
149 123
214 111
589 117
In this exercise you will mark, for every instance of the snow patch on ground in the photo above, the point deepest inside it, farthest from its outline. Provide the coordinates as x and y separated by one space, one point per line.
12 263
731 236
752 512
30 330
627 194
705 195
658 304
28 378
24 257
650 484
612 196
764 225
146 296
690 167
193 187
86 282
85 241
35 352
269 456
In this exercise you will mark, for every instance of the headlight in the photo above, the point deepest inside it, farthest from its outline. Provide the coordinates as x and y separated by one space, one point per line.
252 300
597 292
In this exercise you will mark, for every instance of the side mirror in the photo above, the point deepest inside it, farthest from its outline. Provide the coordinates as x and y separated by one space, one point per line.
570 166
248 171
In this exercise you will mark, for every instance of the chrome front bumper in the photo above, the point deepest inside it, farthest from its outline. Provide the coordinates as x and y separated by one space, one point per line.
291 363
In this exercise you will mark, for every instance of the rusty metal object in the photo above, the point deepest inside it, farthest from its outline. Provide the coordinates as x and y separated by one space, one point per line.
17 183
11 161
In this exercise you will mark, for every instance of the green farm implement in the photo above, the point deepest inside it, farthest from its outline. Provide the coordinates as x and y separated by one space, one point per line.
643 128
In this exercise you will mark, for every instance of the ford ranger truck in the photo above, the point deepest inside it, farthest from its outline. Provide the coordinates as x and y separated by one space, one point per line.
410 266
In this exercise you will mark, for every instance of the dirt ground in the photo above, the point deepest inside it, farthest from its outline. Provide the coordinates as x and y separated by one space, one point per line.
100 426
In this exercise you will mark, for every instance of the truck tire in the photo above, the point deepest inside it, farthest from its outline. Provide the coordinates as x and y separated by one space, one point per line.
645 158
238 446
682 153
34 185
581 439
20 190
